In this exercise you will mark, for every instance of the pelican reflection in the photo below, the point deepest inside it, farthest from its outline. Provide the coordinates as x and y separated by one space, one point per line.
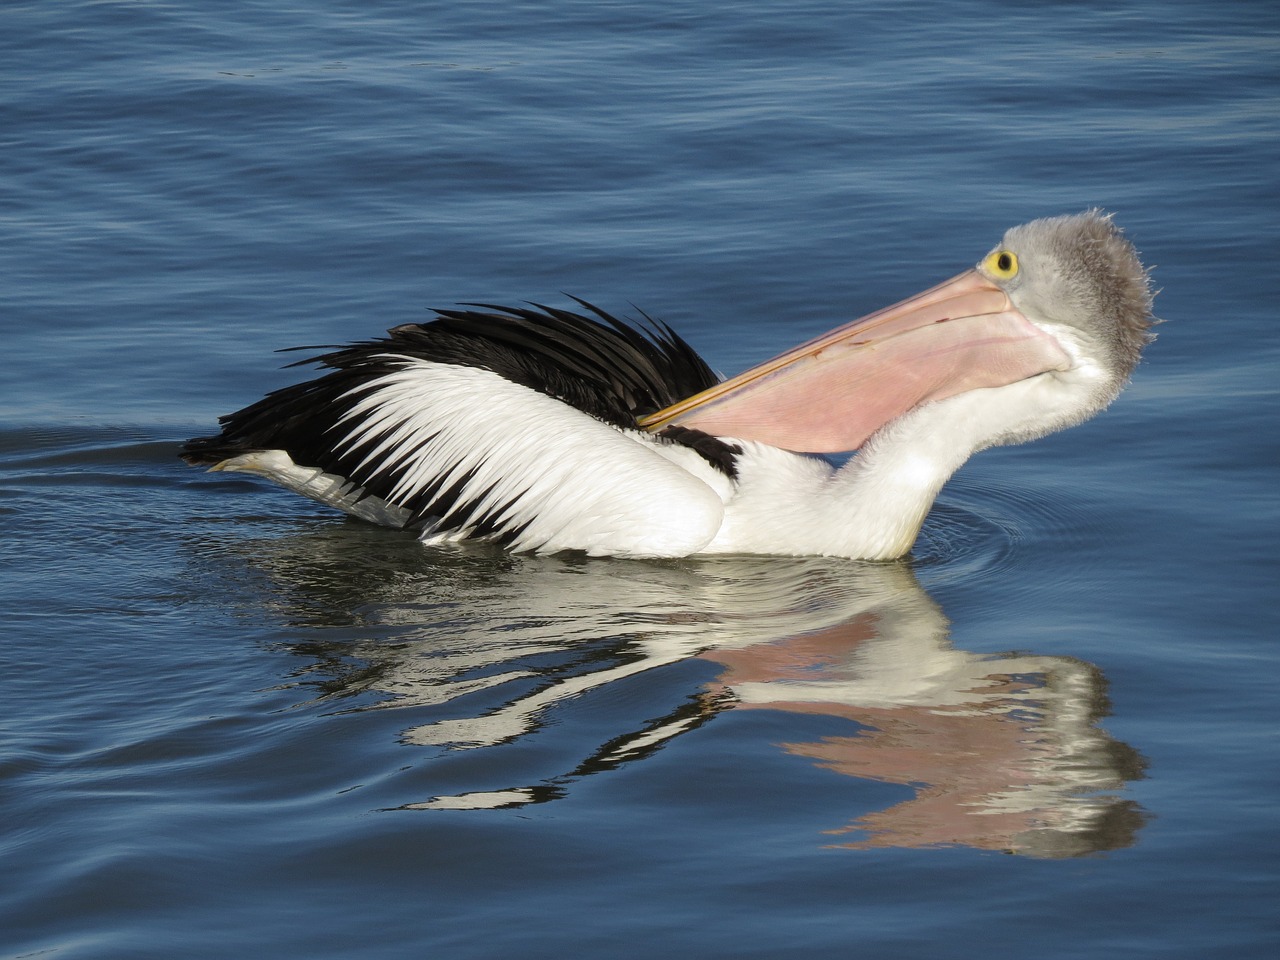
998 751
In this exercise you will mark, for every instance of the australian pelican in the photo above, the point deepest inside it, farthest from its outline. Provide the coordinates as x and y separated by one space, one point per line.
545 430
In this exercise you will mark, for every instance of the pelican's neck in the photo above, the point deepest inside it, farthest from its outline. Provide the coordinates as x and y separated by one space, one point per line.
888 489
877 502
872 507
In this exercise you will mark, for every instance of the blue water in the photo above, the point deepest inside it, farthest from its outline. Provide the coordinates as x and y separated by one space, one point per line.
235 724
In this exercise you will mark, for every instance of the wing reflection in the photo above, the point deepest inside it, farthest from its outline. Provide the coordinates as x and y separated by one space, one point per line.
1001 751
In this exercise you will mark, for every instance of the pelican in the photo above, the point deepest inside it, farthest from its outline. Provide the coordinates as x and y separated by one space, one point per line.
546 430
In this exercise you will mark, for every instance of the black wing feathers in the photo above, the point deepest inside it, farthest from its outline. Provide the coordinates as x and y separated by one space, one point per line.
609 369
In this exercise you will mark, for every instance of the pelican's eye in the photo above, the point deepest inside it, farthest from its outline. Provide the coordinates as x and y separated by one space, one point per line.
1002 264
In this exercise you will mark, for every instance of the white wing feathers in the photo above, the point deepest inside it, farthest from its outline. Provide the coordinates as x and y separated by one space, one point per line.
477 456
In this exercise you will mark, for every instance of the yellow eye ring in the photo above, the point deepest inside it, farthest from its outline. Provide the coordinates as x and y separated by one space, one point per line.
1001 264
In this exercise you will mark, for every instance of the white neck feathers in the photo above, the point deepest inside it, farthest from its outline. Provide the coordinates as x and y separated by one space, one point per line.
872 508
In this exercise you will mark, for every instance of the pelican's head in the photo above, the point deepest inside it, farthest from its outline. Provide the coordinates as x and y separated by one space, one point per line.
1081 279
1065 299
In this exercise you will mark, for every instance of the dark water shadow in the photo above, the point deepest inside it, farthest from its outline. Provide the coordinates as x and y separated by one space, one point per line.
1002 752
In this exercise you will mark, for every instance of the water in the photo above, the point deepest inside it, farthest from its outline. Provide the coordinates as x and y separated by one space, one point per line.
235 724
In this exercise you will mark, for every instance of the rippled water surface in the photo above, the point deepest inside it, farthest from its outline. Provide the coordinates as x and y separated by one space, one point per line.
235 724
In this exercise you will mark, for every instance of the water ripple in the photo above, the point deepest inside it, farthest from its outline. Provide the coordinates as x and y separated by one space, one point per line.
981 528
